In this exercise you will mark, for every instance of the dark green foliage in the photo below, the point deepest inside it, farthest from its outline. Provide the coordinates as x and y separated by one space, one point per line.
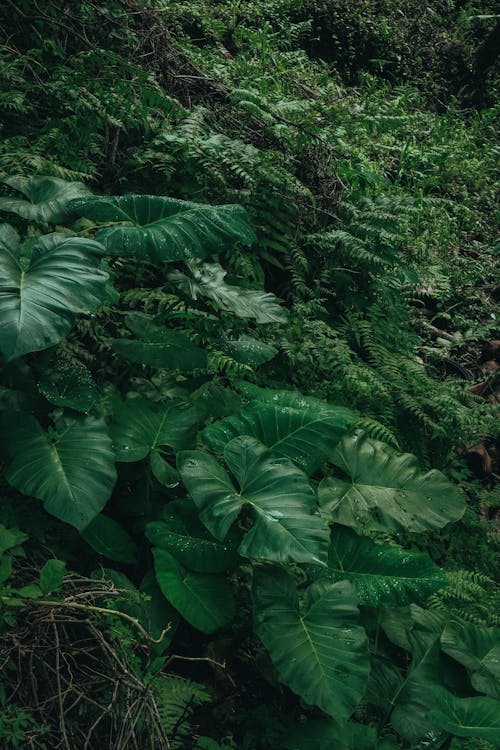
241 374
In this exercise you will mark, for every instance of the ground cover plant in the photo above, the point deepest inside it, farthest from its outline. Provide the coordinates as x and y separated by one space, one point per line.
248 385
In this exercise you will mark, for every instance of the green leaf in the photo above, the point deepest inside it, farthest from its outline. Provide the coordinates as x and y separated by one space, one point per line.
52 575
467 717
69 384
207 280
165 229
181 533
43 286
49 199
291 425
478 649
140 426
108 538
249 351
413 698
387 490
72 471
158 347
282 504
381 574
163 472
320 653
10 538
205 601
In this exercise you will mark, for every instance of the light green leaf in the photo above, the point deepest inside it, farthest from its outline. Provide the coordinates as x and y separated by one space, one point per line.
108 538
158 347
291 425
10 538
69 384
207 280
282 504
165 229
205 601
48 199
71 471
163 471
321 653
44 285
467 717
381 574
181 533
387 490
478 649
52 575
249 351
140 426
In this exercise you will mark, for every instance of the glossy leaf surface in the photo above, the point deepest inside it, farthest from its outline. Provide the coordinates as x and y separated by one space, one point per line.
205 601
320 652
46 200
387 491
164 228
71 471
293 426
283 506
44 284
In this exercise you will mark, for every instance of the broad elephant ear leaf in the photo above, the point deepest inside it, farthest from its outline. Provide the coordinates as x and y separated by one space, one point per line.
320 653
72 471
165 229
478 649
466 717
286 526
387 490
140 426
48 200
158 346
44 284
207 280
382 575
205 601
301 428
325 734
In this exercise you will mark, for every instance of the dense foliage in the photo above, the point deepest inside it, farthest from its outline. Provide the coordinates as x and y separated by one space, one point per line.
248 376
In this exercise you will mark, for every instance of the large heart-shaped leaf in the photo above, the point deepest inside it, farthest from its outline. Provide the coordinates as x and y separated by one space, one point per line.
286 526
478 649
140 426
205 601
72 470
48 199
207 280
163 228
158 346
321 653
294 426
467 717
44 284
381 574
387 490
